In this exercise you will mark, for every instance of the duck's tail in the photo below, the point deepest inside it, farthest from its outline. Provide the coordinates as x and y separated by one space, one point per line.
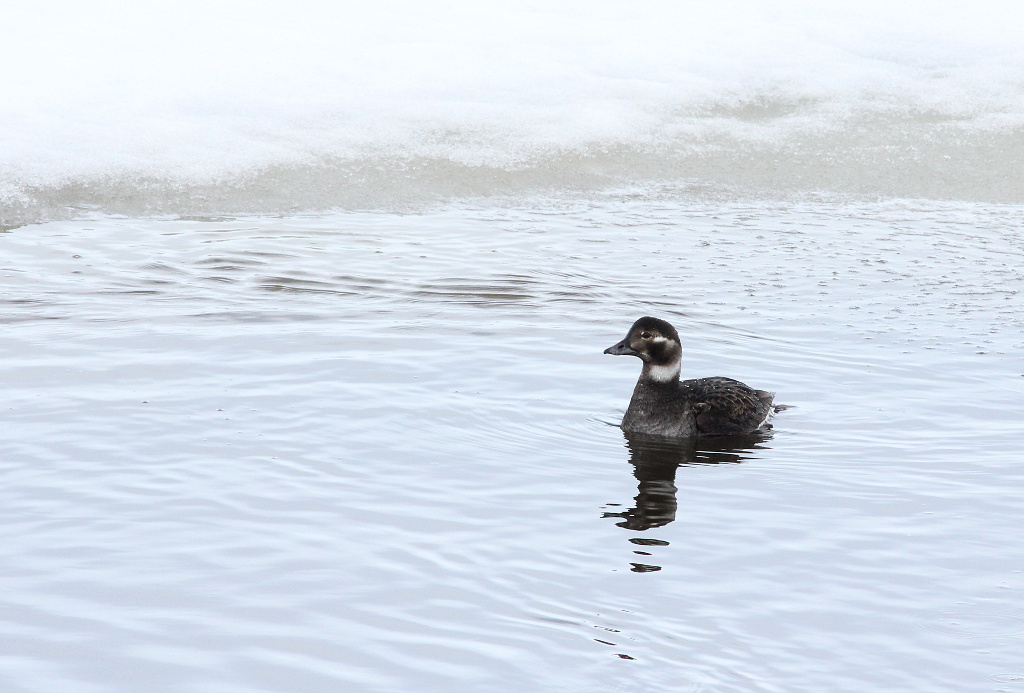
771 408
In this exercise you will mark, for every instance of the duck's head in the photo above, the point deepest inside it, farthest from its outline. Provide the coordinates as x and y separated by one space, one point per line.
656 343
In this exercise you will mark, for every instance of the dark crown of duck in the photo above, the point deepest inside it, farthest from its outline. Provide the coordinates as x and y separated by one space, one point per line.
656 343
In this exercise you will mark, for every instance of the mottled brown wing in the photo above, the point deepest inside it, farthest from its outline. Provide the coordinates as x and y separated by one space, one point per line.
727 406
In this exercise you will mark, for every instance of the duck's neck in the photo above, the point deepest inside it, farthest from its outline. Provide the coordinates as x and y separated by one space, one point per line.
661 375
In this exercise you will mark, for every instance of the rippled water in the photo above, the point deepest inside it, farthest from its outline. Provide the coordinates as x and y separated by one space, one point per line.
371 452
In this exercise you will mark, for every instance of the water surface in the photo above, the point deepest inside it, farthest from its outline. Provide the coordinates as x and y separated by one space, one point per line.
372 452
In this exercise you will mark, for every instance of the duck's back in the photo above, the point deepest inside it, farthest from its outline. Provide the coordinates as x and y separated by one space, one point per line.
724 406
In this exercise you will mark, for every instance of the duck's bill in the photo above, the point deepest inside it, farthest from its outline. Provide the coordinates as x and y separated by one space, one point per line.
621 349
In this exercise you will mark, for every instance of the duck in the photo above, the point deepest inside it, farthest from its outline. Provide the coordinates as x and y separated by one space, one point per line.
664 405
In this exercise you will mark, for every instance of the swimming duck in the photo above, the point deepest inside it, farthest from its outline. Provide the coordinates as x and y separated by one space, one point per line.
666 406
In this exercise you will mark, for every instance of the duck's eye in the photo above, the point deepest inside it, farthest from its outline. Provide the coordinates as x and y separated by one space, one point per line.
645 335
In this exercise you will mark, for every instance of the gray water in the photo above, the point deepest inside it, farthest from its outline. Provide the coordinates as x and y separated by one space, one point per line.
373 452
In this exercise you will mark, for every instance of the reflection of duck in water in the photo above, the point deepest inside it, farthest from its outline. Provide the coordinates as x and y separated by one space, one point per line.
656 459
664 405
